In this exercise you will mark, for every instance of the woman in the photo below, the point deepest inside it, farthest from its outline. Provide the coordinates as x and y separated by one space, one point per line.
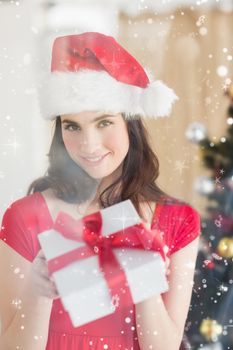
100 155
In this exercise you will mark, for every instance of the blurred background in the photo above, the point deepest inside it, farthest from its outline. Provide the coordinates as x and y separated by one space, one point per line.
187 44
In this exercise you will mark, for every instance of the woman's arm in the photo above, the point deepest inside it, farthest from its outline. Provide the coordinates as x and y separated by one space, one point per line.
24 325
161 319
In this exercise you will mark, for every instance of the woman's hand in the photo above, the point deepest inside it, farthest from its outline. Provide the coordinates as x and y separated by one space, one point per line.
42 282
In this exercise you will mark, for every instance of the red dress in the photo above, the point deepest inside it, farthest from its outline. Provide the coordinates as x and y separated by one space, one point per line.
29 216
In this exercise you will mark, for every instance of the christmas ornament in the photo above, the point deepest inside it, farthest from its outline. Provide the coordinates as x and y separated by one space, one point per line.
210 329
230 120
229 91
225 247
209 264
204 185
196 132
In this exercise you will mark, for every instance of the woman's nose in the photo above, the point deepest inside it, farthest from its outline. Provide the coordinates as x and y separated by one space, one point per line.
90 142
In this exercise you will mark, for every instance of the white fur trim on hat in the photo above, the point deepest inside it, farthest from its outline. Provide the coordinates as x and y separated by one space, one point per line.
88 90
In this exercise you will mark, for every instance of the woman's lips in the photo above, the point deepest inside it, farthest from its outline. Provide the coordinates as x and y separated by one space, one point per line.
94 162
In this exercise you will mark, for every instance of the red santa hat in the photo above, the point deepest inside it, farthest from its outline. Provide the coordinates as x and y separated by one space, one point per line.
92 72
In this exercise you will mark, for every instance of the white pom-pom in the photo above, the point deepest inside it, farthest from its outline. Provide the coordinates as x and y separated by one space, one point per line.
157 100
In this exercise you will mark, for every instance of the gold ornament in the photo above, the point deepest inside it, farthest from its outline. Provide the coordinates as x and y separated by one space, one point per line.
229 91
225 247
210 329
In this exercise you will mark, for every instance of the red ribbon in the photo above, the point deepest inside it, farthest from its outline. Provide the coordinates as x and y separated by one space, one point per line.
88 230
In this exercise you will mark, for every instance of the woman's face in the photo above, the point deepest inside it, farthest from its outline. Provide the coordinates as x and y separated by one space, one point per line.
97 142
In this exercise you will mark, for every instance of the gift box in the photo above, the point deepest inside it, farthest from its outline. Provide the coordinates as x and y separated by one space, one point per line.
103 261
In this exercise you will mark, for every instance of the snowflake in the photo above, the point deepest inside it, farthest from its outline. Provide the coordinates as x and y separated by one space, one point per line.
13 144
17 303
180 166
217 180
201 20
123 218
115 64
218 221
127 319
223 288
225 87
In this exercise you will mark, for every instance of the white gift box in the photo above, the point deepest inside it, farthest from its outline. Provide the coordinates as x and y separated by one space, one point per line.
81 285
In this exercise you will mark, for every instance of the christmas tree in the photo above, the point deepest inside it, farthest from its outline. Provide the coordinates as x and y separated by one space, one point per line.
210 318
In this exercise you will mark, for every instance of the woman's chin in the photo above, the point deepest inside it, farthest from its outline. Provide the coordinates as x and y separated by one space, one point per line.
97 176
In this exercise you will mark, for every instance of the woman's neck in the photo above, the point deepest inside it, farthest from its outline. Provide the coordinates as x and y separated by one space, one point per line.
105 183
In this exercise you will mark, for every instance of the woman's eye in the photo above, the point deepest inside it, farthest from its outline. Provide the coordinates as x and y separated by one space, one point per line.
105 122
71 127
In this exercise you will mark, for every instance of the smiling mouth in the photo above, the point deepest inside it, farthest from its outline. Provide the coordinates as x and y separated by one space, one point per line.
95 160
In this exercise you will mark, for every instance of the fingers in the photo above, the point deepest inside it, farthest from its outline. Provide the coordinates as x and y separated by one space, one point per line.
40 254
45 286
43 282
40 266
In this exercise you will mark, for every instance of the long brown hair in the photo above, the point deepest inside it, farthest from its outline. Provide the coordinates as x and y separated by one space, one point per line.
137 181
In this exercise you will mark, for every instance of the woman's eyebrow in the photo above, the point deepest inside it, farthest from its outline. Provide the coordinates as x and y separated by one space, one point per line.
94 120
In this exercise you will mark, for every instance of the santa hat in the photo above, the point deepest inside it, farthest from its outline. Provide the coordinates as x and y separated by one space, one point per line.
92 72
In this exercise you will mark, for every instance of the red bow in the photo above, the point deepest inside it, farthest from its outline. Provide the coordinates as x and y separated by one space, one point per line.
88 230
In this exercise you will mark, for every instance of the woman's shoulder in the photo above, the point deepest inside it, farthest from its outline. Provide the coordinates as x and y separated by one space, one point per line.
180 223
25 202
168 211
174 215
175 205
30 211
21 223
33 199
